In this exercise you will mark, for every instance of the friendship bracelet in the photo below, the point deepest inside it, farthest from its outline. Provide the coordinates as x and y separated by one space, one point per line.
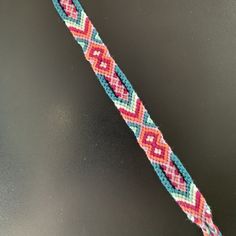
166 164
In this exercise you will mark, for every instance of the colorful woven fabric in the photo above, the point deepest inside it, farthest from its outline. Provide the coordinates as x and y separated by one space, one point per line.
166 164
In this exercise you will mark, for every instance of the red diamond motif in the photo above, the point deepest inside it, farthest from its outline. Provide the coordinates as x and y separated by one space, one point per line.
154 145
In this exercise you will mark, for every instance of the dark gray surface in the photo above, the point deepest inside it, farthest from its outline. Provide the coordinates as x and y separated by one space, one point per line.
69 165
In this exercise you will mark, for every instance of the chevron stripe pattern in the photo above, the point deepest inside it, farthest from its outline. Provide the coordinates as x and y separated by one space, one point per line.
168 167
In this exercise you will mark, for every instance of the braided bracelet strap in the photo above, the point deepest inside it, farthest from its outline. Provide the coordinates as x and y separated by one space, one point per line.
166 164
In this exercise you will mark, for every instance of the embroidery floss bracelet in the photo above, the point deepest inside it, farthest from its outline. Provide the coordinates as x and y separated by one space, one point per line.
166 164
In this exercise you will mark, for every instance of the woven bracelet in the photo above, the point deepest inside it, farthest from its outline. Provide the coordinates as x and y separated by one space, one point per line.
166 164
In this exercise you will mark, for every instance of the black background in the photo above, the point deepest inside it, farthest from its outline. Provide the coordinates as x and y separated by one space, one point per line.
69 165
